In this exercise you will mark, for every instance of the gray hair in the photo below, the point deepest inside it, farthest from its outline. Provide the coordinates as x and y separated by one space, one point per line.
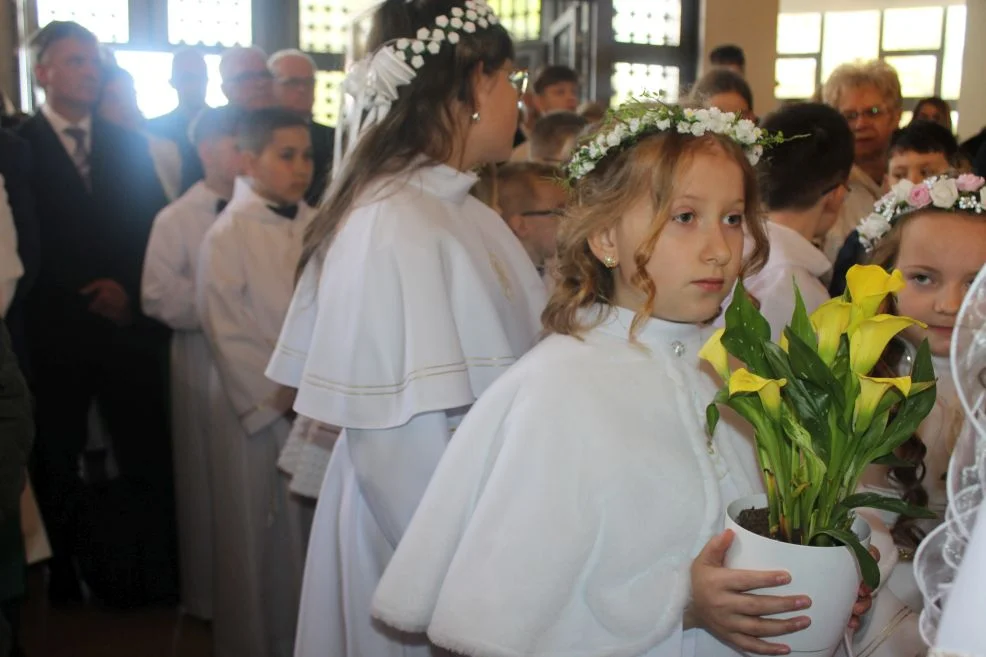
288 53
233 53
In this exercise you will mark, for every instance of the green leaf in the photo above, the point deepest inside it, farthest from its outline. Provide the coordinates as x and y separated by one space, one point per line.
808 366
885 503
711 418
746 332
893 461
867 564
800 323
810 403
923 369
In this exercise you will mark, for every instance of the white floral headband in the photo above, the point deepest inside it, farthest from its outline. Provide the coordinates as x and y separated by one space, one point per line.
374 81
964 193
647 115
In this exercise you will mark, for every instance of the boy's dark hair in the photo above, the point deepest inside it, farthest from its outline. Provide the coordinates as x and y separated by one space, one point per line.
720 81
816 159
925 137
551 75
256 129
56 31
552 130
728 54
215 123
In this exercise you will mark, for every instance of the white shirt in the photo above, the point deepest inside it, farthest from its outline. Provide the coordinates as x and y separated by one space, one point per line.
168 284
245 281
60 123
863 195
11 268
574 496
793 261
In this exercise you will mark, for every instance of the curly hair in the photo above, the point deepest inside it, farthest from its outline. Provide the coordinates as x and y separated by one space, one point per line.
651 167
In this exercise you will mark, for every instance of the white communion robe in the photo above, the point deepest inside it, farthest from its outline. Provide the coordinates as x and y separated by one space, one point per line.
793 260
424 298
246 276
566 512
11 268
168 294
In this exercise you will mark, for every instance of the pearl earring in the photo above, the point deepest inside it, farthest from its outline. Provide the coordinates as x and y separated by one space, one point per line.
609 261
475 117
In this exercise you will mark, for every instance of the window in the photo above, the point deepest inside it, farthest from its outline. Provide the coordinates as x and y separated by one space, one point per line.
630 79
650 22
152 72
327 96
324 25
213 23
109 20
522 18
811 45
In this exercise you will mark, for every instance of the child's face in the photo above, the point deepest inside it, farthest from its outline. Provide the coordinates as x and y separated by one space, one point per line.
221 159
914 166
558 96
700 249
940 255
537 225
283 171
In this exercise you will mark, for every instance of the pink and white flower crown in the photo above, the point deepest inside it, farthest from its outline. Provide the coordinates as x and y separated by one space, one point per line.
947 193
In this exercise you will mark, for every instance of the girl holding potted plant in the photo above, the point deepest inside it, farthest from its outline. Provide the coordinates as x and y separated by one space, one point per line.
577 511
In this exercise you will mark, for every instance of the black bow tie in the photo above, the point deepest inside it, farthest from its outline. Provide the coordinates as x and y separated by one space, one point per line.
221 205
286 211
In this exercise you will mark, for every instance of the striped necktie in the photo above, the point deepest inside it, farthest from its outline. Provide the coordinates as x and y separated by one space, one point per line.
80 155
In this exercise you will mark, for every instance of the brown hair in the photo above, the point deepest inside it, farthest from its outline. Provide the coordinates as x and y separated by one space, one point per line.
941 105
650 167
421 121
514 188
552 132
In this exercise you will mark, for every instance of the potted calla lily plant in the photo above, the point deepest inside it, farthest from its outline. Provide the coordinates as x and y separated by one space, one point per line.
819 419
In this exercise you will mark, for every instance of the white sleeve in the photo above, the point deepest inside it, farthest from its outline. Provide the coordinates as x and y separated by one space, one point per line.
394 466
230 327
168 287
11 268
776 296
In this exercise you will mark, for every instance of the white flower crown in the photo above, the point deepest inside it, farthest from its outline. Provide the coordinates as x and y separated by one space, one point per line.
964 193
374 81
648 114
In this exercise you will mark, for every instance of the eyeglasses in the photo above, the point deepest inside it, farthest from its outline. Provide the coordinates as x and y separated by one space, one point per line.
519 81
251 76
871 113
553 212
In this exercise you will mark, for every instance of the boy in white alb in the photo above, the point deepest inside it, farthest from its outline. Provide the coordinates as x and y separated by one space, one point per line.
245 282
168 294
803 186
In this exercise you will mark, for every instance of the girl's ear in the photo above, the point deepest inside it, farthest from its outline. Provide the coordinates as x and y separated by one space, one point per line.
603 246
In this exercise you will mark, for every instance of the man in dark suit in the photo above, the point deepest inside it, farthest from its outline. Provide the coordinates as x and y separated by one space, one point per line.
189 79
96 195
15 167
294 90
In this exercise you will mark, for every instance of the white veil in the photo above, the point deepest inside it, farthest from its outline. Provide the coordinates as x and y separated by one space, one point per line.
950 564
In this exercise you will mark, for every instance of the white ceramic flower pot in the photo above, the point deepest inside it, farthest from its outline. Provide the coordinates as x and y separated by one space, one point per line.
829 576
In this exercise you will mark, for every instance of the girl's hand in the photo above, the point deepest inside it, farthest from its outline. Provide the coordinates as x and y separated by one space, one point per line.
722 604
865 599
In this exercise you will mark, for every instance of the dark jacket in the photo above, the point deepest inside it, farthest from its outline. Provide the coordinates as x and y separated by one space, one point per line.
323 144
16 427
87 235
174 126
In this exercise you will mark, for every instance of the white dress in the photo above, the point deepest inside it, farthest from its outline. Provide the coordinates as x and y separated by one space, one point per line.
793 260
11 268
424 299
245 281
168 294
566 512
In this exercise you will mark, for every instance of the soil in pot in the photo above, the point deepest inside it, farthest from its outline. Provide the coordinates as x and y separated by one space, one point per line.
755 520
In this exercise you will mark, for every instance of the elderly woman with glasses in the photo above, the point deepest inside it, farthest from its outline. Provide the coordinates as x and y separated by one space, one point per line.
868 96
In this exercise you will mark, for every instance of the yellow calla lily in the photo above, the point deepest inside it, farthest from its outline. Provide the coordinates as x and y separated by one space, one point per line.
830 321
769 390
871 391
868 342
715 353
869 285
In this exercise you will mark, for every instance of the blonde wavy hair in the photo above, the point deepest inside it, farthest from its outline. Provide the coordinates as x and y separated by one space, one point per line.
876 73
601 198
